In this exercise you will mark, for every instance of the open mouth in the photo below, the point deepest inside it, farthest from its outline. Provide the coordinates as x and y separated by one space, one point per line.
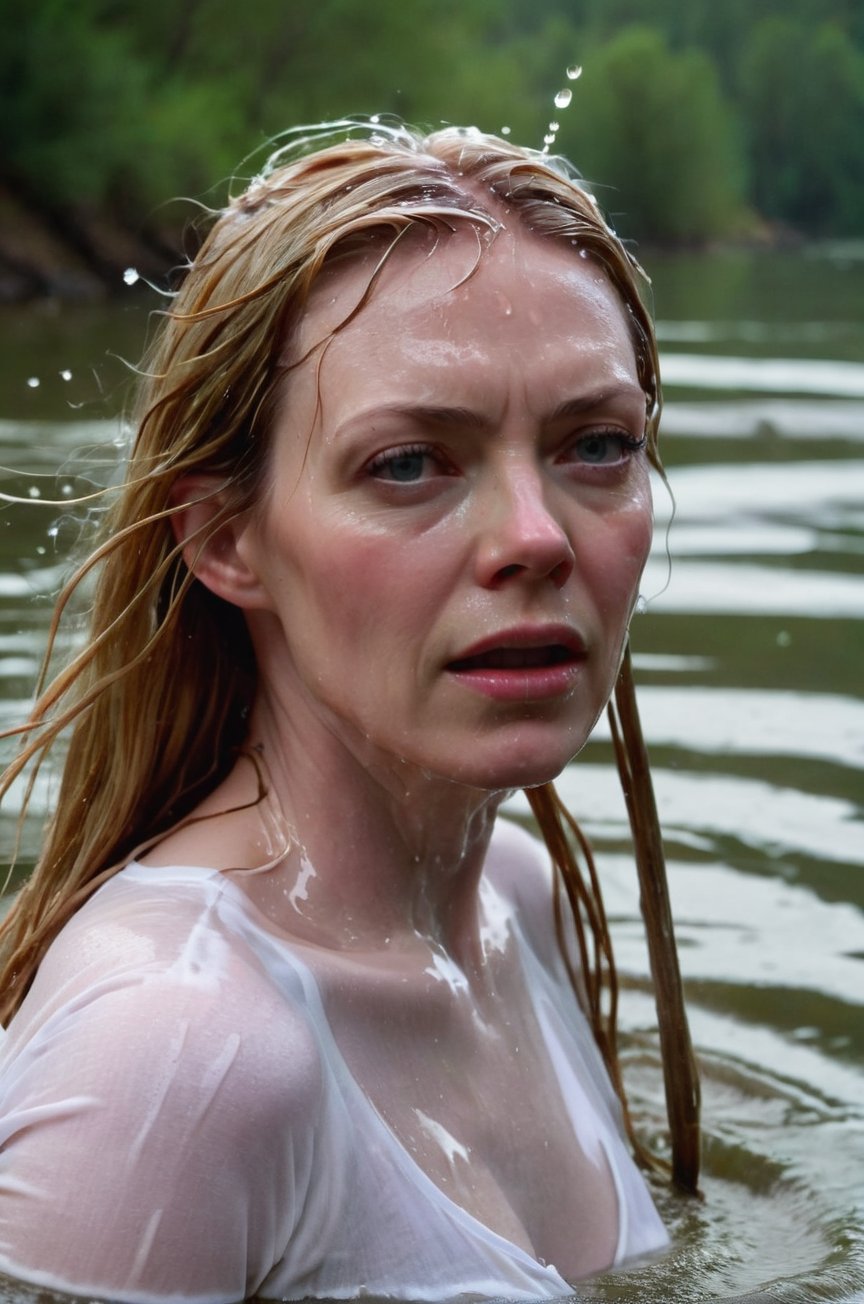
517 658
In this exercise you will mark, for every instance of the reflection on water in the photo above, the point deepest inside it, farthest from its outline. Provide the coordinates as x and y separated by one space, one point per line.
749 656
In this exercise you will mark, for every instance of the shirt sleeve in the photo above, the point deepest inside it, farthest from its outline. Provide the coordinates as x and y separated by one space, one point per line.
156 1132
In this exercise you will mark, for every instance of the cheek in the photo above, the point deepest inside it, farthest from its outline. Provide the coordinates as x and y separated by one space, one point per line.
620 551
362 588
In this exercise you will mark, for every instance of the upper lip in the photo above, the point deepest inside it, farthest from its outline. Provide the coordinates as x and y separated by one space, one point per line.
562 641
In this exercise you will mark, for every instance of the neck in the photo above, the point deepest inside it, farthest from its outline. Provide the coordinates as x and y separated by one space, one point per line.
377 853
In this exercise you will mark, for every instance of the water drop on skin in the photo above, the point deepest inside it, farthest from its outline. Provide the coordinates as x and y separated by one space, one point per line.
574 72
131 275
33 382
563 98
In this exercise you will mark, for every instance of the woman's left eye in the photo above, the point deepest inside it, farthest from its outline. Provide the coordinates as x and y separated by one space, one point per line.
604 448
407 465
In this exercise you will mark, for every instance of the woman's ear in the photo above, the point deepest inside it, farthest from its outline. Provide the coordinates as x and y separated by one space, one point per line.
214 552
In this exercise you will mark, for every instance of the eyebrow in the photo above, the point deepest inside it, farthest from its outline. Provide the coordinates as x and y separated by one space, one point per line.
435 414
574 407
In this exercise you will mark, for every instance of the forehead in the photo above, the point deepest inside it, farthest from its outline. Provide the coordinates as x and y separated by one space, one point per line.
444 311
449 273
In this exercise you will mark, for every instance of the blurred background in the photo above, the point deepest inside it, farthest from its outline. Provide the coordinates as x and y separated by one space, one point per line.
698 120
726 142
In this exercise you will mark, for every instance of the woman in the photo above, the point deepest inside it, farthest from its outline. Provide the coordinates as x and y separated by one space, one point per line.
372 568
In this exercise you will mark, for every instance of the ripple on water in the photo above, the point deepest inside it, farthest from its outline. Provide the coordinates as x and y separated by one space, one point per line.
797 419
769 375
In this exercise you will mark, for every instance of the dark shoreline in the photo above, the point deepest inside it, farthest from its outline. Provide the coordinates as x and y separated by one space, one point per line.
76 257
81 257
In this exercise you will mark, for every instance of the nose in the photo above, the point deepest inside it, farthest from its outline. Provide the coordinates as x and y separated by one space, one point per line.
521 534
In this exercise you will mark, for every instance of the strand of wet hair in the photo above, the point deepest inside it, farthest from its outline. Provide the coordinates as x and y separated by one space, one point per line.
680 1073
597 974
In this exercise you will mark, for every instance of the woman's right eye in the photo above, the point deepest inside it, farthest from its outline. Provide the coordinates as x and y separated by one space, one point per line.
408 465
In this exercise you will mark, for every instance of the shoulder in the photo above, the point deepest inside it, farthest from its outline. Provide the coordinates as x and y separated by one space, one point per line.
167 1092
155 967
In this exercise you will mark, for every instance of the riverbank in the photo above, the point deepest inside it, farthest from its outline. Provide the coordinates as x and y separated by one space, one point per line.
79 257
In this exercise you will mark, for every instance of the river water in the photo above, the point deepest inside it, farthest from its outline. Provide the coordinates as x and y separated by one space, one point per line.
750 660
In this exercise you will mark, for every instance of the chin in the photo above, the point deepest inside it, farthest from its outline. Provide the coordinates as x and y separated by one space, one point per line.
517 767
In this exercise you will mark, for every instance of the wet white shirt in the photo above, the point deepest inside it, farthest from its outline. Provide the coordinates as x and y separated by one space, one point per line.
178 1122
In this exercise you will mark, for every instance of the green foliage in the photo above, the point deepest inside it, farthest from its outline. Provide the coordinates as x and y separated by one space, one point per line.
652 127
65 85
116 106
803 94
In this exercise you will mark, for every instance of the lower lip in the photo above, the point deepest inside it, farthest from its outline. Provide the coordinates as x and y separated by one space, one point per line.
526 684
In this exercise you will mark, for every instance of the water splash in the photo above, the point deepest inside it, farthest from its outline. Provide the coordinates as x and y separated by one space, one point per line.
452 1148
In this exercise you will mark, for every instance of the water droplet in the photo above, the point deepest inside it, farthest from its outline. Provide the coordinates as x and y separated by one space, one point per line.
66 490
376 118
53 532
65 374
131 275
34 492
583 253
563 98
574 72
40 551
784 638
549 138
545 149
641 606
33 382
554 126
505 131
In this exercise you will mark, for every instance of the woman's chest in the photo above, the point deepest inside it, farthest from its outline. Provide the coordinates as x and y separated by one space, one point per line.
474 1094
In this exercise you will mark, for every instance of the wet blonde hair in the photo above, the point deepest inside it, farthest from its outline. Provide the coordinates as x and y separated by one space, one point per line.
153 709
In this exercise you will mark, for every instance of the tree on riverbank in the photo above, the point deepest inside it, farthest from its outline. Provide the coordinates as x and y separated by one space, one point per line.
687 121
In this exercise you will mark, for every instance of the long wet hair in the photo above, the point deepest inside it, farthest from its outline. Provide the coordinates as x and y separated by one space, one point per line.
152 710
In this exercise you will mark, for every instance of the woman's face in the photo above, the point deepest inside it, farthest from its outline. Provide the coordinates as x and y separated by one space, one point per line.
457 514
